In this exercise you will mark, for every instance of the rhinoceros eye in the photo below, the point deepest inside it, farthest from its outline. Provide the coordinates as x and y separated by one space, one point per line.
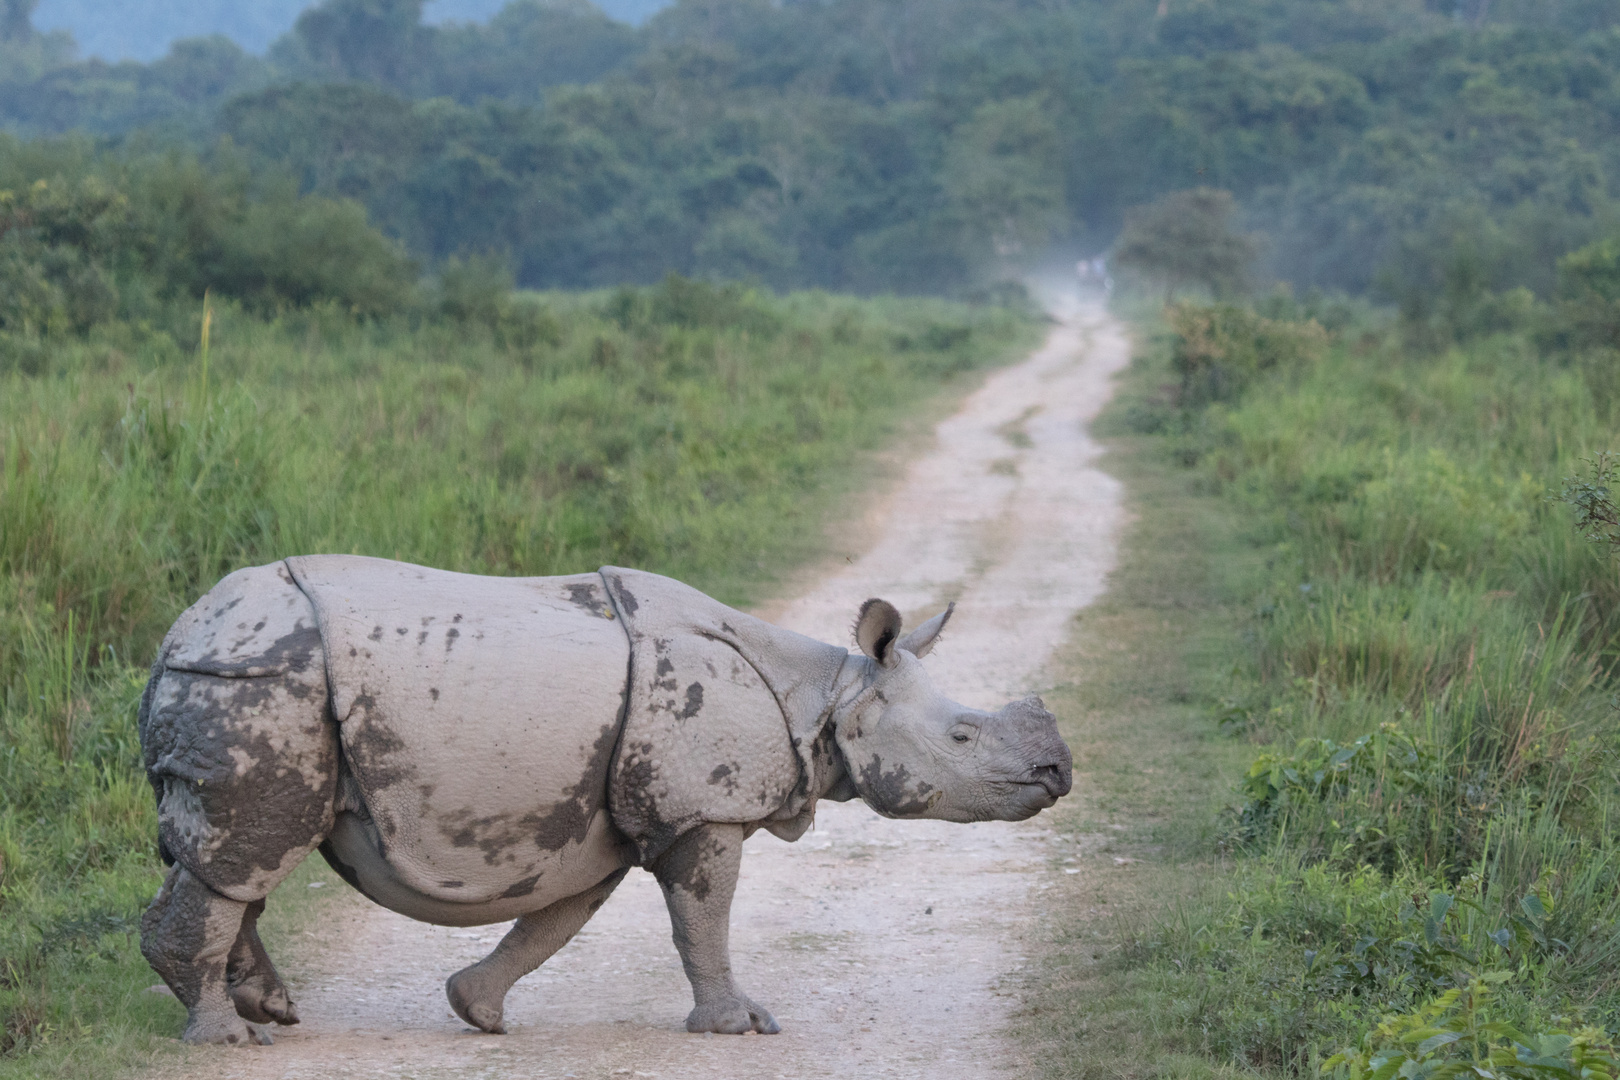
960 737
963 733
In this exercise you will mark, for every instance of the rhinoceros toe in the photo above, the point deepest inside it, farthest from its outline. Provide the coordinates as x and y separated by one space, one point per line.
264 1005
736 1016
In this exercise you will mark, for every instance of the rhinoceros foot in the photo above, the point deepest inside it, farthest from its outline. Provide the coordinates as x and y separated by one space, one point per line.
478 999
216 1028
737 1016
256 990
264 1005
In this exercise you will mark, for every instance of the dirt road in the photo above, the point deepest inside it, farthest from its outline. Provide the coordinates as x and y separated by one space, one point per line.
885 948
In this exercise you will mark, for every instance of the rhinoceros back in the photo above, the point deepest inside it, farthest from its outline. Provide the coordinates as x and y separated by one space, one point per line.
477 715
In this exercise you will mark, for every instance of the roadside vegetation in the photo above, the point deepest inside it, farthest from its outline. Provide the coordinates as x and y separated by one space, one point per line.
1405 698
155 436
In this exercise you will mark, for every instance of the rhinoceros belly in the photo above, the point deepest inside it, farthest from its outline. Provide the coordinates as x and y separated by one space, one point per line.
478 718
355 851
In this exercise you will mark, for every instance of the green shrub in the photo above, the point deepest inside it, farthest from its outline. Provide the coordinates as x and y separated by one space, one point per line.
692 305
86 237
1220 349
1378 787
56 242
1453 1036
300 251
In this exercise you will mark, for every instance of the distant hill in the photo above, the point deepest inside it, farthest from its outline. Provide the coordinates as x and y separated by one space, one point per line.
144 29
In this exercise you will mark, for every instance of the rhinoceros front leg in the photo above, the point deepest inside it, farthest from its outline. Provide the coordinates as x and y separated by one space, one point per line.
478 992
699 875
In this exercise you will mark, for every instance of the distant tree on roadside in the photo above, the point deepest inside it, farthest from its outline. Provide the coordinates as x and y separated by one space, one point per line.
1187 238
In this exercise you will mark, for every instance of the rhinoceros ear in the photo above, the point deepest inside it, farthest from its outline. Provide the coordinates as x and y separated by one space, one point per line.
921 640
876 630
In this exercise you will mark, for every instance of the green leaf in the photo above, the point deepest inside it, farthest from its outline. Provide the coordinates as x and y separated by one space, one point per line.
1534 910
1419 1034
1435 1042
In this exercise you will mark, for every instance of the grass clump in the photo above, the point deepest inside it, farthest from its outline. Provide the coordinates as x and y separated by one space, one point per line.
706 437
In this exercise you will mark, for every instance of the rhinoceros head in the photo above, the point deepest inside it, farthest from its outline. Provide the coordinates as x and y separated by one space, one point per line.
913 752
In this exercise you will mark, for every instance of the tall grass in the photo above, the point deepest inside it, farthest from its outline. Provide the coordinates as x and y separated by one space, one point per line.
1430 686
691 430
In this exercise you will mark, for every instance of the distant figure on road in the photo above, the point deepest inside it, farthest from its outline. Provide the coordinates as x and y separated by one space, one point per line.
1094 273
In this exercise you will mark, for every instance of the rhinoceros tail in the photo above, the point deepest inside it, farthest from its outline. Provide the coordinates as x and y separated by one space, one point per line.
143 720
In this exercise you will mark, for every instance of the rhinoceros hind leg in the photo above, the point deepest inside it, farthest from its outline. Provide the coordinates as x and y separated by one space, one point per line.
187 936
255 987
699 875
478 993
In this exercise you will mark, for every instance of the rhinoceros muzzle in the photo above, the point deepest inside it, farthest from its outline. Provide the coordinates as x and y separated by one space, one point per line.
1055 778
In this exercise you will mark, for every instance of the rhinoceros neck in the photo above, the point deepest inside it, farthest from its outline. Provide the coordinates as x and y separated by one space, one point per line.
857 673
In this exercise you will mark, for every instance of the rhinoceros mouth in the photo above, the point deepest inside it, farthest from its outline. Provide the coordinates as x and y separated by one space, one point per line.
1027 801
1033 796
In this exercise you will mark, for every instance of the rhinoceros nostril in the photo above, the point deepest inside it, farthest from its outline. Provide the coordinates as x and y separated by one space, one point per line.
1054 778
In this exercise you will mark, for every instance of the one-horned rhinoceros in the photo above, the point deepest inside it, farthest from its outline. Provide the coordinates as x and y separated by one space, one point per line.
467 750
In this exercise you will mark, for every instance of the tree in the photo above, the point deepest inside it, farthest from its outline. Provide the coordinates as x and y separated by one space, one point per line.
16 19
366 40
1589 288
1186 238
1003 179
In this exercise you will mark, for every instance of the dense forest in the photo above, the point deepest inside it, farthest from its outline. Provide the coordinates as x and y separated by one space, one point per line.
897 145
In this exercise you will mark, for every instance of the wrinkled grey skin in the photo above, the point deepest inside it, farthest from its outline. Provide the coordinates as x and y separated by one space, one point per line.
471 750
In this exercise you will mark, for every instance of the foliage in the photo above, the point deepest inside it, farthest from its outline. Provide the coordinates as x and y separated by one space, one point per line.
1589 279
1186 238
1220 349
54 241
917 146
88 237
1451 1036
1597 518
704 434
1404 770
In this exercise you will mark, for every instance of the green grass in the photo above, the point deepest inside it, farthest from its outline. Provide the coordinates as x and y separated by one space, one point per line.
701 432
1152 772
1391 660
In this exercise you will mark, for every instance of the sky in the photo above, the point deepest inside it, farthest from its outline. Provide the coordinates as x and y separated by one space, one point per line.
144 29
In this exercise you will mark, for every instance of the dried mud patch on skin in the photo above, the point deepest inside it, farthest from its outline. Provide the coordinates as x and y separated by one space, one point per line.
589 597
893 792
242 782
